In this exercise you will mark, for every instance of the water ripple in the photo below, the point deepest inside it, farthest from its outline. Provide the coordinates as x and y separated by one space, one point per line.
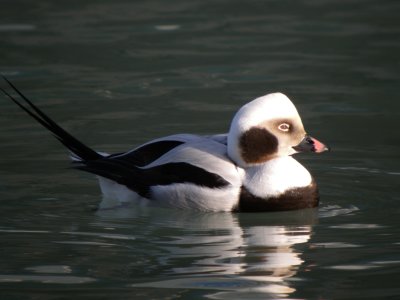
357 226
336 210
102 235
47 279
334 245
17 27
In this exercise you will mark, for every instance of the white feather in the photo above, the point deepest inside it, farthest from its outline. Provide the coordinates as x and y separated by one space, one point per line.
276 176
191 196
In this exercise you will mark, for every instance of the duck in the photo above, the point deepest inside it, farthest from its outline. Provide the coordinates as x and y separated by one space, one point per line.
248 169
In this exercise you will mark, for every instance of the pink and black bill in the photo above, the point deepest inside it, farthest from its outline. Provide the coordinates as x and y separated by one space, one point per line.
310 144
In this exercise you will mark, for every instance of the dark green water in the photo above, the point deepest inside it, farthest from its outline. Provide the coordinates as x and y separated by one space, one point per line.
118 73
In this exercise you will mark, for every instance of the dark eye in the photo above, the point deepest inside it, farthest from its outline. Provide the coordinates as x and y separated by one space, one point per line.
284 127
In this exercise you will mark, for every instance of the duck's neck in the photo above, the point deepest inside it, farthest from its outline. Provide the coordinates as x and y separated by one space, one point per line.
275 177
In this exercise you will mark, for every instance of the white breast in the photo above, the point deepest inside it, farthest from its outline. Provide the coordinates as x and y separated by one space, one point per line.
276 176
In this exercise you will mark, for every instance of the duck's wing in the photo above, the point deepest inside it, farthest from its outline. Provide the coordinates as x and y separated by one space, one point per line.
203 152
220 138
196 160
149 152
142 180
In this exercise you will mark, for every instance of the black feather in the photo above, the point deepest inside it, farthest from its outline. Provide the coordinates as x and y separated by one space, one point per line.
73 144
141 180
148 153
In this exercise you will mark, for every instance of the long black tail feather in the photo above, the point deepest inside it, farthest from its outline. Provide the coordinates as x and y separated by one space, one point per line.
74 145
125 169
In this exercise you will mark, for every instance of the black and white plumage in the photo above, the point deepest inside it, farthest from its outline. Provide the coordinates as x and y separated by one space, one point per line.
250 168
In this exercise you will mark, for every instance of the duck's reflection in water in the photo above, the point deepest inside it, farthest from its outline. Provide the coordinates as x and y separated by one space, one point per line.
270 254
232 254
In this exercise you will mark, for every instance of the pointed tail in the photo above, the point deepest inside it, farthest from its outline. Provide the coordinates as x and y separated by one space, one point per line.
74 145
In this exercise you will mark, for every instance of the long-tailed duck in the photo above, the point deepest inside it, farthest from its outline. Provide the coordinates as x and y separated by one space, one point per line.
250 168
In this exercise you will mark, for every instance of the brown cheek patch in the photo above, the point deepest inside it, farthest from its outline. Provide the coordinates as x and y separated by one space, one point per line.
258 145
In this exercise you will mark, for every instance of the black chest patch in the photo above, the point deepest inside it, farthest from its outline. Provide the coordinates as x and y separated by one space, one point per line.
293 199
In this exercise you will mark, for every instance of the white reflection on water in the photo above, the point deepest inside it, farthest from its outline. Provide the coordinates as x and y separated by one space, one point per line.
231 257
227 255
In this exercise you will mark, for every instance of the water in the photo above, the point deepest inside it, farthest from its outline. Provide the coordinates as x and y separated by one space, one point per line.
119 73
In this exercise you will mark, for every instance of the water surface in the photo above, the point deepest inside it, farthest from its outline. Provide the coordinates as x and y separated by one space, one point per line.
119 73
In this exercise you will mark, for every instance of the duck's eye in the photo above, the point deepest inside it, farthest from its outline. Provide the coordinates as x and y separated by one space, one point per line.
284 127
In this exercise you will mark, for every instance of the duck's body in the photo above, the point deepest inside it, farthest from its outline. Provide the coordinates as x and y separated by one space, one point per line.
198 174
183 171
248 169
